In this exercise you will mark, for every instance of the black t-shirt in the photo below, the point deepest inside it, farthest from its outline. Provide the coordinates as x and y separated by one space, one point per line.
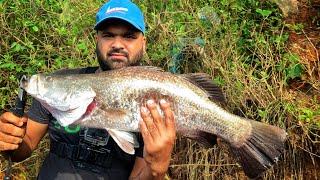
71 163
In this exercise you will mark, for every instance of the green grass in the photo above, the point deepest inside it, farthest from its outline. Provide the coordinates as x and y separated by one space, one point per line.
241 44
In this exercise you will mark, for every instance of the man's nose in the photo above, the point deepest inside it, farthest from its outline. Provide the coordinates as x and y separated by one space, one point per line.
117 43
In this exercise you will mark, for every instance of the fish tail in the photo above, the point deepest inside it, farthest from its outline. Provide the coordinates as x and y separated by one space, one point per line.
261 149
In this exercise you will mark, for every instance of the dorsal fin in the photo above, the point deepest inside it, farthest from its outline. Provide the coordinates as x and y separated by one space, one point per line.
204 81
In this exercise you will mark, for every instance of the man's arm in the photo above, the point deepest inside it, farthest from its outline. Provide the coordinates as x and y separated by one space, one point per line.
142 171
18 137
159 136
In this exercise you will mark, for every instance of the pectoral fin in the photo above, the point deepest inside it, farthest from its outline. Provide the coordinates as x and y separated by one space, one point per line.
127 141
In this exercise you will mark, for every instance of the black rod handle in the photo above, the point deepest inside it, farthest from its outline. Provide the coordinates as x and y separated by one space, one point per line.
17 110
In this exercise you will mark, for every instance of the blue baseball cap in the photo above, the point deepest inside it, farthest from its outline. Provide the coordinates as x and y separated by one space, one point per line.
121 9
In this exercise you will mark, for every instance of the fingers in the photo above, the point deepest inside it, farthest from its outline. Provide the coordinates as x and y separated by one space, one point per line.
10 139
9 117
157 117
155 124
147 138
168 113
7 146
11 129
149 123
12 125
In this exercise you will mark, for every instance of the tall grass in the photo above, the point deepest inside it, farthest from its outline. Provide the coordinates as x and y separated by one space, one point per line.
241 44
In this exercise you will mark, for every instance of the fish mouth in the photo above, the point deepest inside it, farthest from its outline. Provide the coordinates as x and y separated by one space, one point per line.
32 85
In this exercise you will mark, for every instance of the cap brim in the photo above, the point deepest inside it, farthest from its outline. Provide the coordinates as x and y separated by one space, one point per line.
100 23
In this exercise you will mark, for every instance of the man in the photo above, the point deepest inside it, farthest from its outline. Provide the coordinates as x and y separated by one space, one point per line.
82 153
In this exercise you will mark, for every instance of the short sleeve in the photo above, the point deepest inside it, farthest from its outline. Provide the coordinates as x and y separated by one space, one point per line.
38 113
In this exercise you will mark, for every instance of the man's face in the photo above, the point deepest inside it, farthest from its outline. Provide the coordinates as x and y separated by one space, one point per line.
119 45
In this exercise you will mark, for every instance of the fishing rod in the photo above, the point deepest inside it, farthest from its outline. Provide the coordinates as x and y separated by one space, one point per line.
17 110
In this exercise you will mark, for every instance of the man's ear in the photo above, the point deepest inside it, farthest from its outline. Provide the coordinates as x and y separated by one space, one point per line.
96 36
144 45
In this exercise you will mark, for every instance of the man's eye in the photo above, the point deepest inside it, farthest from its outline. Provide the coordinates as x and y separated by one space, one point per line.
107 35
130 36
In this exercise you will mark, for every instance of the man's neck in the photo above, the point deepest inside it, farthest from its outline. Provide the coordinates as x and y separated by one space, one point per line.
101 70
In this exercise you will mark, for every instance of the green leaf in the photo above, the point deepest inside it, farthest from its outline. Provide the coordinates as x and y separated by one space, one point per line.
9 66
292 58
262 114
16 47
294 71
263 12
219 81
82 46
35 28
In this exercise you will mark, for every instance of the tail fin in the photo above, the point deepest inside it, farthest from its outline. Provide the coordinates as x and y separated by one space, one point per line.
261 150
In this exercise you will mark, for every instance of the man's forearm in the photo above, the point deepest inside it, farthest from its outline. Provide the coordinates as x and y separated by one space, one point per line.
23 152
146 174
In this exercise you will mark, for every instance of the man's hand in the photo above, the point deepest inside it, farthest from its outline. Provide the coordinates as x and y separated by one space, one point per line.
12 131
159 133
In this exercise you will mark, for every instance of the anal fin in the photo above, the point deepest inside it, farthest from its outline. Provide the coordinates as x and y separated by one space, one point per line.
206 139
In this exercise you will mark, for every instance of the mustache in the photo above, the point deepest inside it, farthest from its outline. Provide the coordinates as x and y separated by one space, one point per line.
120 51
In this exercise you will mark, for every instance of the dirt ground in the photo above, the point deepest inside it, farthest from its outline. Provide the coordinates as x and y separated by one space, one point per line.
305 42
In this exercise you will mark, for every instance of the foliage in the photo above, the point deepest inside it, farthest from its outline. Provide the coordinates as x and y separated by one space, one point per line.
242 44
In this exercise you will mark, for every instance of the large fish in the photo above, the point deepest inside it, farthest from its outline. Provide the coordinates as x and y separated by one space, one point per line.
112 100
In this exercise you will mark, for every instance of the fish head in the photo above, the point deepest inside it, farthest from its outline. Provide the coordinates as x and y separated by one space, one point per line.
66 99
35 85
53 91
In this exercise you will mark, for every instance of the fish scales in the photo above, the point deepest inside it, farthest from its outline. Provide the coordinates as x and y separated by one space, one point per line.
112 100
127 89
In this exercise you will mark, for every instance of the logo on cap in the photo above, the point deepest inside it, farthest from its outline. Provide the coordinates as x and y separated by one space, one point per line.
116 9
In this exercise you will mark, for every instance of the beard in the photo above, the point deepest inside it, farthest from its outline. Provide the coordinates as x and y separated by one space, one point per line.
106 63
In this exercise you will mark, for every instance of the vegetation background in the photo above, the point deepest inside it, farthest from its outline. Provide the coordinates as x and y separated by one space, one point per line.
266 63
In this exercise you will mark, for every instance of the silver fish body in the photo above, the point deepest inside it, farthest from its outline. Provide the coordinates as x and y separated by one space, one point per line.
112 100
